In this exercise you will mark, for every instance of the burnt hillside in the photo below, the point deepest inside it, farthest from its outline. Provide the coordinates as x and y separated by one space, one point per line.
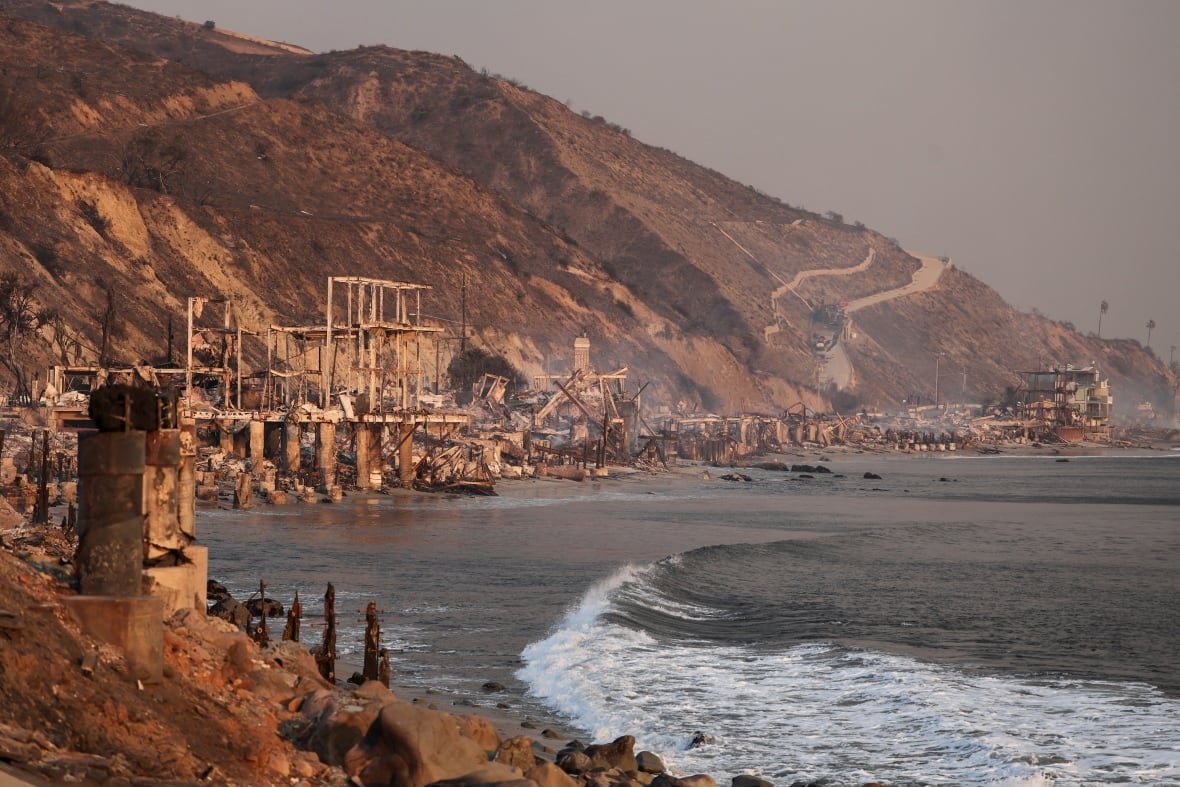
417 166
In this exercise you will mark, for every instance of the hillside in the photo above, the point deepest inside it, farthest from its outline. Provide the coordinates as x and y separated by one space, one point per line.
414 166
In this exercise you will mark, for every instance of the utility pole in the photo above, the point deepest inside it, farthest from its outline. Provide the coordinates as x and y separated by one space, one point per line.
937 359
463 322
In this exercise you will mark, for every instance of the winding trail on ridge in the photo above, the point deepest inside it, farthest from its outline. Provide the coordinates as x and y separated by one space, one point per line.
835 366
800 277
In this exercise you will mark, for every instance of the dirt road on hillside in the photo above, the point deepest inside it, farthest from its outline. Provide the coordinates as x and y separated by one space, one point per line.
836 368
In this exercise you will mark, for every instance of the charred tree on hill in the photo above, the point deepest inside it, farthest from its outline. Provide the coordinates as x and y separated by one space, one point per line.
108 329
153 163
20 318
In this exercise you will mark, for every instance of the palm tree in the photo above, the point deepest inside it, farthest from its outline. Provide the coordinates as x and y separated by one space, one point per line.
1103 308
1150 328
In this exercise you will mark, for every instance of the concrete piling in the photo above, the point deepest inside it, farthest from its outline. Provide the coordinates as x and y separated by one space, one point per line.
405 454
161 502
110 520
291 445
325 454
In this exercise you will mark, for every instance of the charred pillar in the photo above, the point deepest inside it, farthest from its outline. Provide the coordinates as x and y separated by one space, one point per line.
292 460
325 453
110 519
186 481
257 447
405 453
368 455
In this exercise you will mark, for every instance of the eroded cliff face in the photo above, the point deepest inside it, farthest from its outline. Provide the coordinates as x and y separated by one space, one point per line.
281 169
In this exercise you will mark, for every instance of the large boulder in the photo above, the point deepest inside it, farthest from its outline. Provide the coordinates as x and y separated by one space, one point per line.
619 753
413 746
549 775
481 731
494 773
517 752
746 780
647 762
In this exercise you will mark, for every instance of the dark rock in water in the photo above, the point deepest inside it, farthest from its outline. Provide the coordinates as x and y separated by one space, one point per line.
701 739
805 475
1062 460
944 479
491 686
356 679
648 762
838 475
821 469
745 780
267 606
552 735
778 466
736 477
619 753
872 476
575 745
802 469
216 591
699 780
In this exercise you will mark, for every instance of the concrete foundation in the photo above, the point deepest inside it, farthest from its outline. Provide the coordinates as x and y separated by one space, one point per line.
183 586
161 504
134 624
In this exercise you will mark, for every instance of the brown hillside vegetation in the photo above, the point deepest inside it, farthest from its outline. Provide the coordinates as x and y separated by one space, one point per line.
561 223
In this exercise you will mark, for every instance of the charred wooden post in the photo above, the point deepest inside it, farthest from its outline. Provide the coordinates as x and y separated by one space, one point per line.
383 673
42 509
261 635
294 614
326 658
372 642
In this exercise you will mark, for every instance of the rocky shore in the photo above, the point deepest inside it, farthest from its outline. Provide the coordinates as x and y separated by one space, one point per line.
228 711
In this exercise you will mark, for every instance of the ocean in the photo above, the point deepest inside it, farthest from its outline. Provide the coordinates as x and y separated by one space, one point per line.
962 620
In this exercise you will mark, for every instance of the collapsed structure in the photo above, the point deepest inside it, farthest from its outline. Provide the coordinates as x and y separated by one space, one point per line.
357 386
1071 403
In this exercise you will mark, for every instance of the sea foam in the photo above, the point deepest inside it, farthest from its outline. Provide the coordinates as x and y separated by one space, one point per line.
818 710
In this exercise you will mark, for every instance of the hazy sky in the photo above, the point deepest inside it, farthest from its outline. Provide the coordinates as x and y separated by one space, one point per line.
1033 142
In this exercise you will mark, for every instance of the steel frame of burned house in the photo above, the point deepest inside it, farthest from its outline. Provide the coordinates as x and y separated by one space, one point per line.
316 376
1071 403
